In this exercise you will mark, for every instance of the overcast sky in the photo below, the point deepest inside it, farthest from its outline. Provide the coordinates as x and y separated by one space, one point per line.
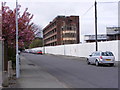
45 11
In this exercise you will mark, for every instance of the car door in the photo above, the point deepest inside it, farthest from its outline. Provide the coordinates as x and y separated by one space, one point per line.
96 56
91 58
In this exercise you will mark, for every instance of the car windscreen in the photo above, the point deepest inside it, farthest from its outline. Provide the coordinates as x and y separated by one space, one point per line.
39 51
107 54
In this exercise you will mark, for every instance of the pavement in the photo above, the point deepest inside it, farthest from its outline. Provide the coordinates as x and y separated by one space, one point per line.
32 76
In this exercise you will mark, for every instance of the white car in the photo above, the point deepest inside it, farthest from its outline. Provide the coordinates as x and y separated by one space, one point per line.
100 57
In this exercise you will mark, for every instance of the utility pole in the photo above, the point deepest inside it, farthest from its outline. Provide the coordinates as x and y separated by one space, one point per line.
96 26
17 55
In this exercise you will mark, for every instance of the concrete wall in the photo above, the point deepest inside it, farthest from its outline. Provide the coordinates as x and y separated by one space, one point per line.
110 46
119 50
85 49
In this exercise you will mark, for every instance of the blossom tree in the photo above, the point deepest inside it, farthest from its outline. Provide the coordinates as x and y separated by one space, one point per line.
25 28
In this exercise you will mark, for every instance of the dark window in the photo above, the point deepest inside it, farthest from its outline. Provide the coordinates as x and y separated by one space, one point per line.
107 54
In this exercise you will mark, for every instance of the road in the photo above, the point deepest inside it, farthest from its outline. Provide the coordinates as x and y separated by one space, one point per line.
74 72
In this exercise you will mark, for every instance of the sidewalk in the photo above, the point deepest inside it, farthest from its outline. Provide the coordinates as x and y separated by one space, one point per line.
33 76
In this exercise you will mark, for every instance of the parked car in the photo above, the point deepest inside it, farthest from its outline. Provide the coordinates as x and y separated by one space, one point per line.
34 52
39 52
100 57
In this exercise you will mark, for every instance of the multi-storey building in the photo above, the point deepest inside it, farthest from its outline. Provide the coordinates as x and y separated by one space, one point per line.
91 38
113 33
62 30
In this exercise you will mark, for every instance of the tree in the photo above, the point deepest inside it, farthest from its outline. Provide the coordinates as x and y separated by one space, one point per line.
37 42
26 31
38 31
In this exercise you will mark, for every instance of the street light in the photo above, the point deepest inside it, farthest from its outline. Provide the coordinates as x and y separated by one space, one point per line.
17 55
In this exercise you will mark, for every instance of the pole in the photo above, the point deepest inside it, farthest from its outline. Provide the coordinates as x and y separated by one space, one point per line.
17 55
96 26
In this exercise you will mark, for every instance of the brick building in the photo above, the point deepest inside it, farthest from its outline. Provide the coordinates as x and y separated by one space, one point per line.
62 30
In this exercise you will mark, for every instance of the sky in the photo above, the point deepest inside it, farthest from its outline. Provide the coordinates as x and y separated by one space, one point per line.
45 11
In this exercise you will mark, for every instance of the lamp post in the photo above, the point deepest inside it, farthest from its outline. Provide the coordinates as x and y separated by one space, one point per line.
17 55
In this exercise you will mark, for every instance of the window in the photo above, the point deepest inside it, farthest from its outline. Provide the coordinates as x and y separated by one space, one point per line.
97 54
93 54
107 54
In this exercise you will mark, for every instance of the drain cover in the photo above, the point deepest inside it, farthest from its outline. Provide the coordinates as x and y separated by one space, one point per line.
32 64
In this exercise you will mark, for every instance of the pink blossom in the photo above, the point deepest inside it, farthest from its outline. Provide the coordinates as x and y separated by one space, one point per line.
26 31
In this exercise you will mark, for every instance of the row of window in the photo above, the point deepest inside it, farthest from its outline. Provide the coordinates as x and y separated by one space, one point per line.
50 39
50 33
68 27
52 44
51 26
69 35
69 41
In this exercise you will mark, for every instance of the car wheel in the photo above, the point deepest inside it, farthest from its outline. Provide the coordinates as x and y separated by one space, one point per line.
88 62
96 63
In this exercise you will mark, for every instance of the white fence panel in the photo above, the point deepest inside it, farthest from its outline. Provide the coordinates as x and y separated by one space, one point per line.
110 46
118 50
84 50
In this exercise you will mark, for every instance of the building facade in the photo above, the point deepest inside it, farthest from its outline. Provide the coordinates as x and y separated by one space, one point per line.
113 33
62 30
91 38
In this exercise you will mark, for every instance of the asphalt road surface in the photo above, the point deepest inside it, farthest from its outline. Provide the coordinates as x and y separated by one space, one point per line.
74 71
